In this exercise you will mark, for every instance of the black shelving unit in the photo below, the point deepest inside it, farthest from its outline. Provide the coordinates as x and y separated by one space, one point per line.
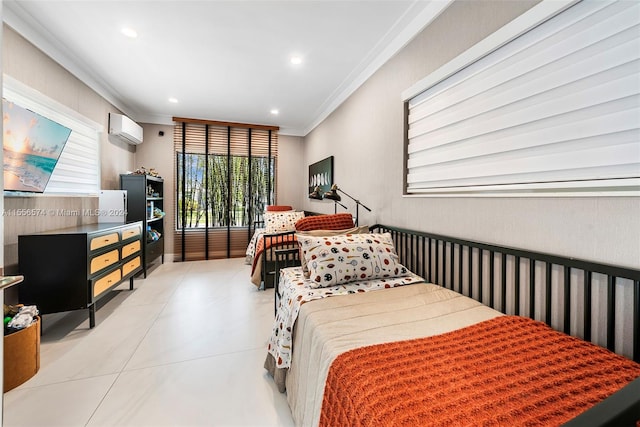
144 201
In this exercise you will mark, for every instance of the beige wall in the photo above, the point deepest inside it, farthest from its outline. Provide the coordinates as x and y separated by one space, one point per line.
290 174
365 134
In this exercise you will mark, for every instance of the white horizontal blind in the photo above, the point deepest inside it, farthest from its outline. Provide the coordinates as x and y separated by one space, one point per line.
556 110
78 167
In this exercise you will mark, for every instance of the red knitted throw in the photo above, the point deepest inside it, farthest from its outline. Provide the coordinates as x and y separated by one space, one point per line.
339 221
507 371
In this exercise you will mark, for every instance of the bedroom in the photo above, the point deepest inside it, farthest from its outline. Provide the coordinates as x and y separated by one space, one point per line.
364 136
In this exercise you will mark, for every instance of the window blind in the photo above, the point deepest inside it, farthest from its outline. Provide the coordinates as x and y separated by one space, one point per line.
78 167
225 174
554 111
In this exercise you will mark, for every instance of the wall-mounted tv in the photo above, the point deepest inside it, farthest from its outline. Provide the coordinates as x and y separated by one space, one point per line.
32 145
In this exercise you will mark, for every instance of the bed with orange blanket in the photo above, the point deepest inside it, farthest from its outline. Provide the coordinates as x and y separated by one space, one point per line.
263 263
263 259
425 354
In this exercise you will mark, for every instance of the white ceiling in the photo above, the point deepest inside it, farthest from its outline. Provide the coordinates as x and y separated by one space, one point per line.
223 60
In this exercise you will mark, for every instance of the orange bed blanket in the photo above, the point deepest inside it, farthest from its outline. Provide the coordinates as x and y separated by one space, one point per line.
506 371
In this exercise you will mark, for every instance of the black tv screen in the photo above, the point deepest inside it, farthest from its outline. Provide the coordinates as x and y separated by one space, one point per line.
32 145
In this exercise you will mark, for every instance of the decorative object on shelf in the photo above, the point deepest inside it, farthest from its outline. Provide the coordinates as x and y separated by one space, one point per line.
144 171
321 175
333 195
146 204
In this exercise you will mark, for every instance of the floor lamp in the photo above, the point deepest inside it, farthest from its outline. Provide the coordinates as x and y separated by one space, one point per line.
333 195
317 195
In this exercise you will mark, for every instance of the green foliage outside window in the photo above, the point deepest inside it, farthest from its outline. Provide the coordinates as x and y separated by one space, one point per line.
222 191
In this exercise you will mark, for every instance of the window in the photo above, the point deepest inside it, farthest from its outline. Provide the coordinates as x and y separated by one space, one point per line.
206 200
535 109
225 175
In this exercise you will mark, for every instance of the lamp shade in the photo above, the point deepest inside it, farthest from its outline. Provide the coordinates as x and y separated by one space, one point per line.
316 194
333 194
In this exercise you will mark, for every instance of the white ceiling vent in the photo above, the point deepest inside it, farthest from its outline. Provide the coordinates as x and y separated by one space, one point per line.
125 129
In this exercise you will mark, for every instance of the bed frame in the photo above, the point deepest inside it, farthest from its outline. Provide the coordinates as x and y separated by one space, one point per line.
593 301
269 254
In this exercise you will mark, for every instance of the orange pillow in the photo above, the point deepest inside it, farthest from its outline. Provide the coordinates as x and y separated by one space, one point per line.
339 221
277 208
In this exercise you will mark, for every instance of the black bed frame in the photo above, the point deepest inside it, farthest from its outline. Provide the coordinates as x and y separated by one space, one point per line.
581 298
269 254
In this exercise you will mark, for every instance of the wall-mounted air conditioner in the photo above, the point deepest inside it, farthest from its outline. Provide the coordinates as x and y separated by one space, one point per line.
125 129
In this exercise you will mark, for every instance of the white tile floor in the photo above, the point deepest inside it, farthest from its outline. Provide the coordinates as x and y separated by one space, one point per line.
185 348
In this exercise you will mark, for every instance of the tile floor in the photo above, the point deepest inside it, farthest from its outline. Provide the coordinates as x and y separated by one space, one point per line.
185 348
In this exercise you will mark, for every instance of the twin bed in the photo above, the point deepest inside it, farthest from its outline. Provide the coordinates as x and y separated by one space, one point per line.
459 347
278 233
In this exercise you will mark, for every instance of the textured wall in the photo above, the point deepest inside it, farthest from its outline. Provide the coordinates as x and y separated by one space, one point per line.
24 62
365 134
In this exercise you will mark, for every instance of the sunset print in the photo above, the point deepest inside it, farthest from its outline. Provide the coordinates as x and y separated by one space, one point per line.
32 145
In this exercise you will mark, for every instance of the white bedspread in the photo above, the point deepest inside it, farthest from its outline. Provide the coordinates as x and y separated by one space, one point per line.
328 327
294 294
251 248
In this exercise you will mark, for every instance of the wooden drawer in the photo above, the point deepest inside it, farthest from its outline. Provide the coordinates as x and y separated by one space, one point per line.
105 240
130 266
101 285
130 232
103 261
130 249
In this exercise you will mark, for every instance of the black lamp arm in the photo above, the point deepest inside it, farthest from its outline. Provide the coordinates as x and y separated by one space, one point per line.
358 202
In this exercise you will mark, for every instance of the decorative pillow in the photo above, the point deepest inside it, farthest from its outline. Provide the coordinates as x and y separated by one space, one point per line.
279 222
324 233
325 222
277 208
334 260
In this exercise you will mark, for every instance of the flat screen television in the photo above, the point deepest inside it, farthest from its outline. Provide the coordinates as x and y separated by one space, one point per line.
32 145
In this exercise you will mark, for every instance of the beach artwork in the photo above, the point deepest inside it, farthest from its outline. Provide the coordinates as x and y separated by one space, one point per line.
32 145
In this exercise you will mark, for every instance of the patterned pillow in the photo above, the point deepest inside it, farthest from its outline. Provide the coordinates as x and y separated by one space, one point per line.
334 260
279 222
324 233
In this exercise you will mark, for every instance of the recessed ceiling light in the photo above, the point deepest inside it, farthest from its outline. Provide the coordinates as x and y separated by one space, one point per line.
173 100
274 111
296 60
129 32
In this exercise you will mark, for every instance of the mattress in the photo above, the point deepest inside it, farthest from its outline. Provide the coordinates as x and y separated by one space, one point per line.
327 327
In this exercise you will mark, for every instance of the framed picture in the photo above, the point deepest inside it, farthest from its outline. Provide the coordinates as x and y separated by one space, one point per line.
321 175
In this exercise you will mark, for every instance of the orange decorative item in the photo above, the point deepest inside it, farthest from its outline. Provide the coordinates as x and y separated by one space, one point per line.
278 208
339 221
505 371
21 355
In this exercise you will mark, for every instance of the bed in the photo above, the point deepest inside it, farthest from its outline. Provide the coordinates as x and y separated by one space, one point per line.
259 230
470 290
280 233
